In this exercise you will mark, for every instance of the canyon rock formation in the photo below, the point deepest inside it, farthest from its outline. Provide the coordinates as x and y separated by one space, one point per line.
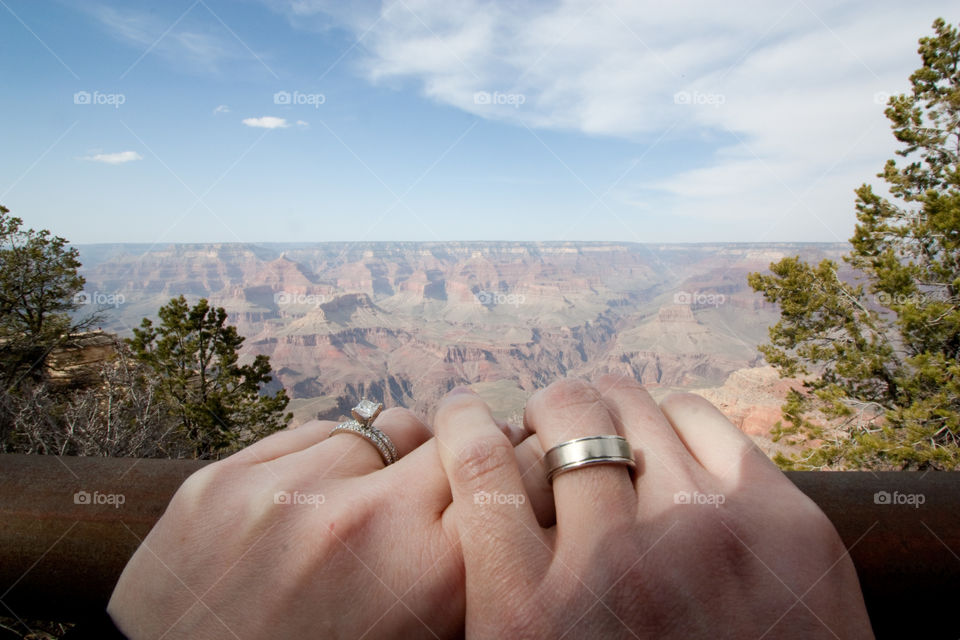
405 322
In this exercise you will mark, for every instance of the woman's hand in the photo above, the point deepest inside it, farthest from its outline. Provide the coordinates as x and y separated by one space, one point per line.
708 540
302 536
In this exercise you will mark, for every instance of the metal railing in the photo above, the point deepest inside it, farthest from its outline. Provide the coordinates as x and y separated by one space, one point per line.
64 539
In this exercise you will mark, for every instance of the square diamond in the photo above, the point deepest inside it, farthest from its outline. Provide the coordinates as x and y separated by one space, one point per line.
366 411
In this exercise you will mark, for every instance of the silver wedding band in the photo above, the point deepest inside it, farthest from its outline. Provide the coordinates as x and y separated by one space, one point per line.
362 425
582 452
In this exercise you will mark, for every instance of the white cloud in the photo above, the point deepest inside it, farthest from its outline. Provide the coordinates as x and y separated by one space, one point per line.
782 113
120 157
221 109
303 123
266 122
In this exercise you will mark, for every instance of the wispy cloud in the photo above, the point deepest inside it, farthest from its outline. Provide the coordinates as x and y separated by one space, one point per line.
221 109
781 100
195 41
267 122
119 157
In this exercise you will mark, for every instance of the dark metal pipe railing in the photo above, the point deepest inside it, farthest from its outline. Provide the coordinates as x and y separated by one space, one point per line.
64 539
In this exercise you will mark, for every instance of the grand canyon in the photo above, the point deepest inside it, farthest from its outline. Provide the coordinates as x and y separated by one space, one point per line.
404 323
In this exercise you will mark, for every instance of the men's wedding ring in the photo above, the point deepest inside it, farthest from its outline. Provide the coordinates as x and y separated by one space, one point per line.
582 452
362 425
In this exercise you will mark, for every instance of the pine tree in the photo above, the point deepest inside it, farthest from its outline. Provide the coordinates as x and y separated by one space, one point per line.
218 403
891 342
38 282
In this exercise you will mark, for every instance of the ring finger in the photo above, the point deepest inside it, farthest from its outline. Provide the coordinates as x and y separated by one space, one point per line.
594 497
346 454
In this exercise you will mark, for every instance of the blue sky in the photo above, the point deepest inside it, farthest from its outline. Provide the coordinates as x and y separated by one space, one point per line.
437 120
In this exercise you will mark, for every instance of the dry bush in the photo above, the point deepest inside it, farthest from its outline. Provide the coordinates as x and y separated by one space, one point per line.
122 413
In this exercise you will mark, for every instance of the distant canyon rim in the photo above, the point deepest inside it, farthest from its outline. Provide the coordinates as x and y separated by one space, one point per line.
405 322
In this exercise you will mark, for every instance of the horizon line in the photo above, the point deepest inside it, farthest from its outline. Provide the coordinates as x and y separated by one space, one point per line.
461 242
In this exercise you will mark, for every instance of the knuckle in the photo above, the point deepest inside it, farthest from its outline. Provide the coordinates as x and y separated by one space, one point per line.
199 484
811 527
351 520
568 393
480 458
400 419
399 415
203 488
246 457
611 381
